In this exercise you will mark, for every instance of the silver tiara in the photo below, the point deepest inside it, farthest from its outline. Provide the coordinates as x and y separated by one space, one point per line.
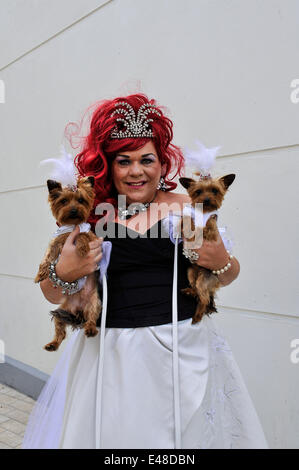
135 126
205 176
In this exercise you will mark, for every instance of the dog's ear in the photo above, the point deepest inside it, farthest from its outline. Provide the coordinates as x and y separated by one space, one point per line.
185 182
52 184
227 180
88 180
91 180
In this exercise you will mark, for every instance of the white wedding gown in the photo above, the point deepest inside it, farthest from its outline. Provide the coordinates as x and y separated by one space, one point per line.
175 385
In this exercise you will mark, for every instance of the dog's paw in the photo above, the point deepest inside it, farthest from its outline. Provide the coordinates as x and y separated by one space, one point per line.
53 346
189 291
40 277
90 331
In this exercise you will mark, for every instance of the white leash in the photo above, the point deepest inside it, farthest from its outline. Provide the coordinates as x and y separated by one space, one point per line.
175 355
101 366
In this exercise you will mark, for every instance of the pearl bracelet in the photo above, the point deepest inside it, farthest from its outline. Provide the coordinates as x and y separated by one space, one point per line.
225 268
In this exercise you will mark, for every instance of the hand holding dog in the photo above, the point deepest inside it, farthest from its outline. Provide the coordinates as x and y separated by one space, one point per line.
212 254
71 266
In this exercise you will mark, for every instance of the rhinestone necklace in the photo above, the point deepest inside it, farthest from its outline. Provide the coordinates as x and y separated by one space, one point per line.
134 208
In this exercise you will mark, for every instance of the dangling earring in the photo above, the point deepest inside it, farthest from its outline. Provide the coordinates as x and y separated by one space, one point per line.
162 185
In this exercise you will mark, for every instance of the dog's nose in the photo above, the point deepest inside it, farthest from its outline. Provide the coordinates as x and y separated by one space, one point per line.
73 212
206 200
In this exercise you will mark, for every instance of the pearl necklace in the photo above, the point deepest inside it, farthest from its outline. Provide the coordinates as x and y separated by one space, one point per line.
134 208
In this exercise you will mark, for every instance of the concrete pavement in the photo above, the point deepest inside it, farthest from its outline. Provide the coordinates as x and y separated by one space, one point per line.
15 409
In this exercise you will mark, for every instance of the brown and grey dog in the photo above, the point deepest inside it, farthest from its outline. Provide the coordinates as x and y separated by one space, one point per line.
204 284
71 206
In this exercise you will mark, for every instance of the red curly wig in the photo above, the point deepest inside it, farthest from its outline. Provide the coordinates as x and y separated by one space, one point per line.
99 149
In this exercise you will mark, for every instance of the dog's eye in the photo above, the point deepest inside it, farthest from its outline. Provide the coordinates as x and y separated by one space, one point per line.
63 201
215 191
81 200
198 191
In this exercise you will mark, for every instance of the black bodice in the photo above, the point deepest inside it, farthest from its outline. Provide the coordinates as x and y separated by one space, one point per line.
140 278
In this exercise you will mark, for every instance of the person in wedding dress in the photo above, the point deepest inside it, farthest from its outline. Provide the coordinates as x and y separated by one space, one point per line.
150 379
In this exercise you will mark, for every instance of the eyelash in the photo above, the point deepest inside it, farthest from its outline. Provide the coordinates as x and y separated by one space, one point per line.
120 162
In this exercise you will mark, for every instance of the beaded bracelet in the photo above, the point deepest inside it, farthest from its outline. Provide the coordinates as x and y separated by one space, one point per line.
225 268
69 287
191 255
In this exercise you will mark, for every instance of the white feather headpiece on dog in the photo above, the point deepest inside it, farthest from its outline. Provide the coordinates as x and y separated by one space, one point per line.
201 160
63 169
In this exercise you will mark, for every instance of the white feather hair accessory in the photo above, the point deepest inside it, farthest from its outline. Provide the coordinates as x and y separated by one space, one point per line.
63 169
201 160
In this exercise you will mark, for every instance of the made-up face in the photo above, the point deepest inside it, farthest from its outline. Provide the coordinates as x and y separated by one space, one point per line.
136 174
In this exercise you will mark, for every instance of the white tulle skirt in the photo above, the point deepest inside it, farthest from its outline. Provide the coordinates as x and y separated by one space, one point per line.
137 405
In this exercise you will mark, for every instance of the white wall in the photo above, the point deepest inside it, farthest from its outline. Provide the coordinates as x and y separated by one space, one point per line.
224 69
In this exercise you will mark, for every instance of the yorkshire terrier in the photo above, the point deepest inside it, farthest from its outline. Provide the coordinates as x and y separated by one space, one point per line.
71 205
210 192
